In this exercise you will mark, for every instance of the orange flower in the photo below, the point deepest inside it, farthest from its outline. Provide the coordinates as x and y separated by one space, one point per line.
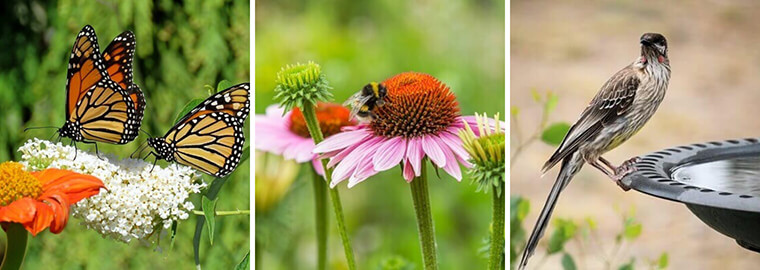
39 200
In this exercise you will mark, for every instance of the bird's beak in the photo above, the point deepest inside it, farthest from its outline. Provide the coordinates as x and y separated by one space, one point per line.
646 42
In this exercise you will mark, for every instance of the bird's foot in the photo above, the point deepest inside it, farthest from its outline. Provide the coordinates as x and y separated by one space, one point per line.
624 169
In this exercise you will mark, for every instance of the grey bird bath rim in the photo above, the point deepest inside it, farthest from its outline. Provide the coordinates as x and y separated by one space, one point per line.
735 214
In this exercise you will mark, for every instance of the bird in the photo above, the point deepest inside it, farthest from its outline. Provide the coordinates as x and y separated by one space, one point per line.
621 108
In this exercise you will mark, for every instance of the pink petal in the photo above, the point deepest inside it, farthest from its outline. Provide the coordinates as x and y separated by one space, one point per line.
274 111
452 167
414 154
304 153
341 140
342 154
364 171
433 150
408 172
455 144
389 153
348 165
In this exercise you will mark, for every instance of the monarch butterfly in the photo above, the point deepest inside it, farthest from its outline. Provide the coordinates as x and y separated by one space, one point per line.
102 102
210 137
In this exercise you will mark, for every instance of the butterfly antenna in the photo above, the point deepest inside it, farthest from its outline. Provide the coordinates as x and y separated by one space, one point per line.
31 128
146 133
138 150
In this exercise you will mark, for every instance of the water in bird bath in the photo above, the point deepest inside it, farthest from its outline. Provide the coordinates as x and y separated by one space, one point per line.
738 175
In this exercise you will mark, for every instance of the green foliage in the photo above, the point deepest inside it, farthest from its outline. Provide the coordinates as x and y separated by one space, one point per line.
662 261
518 210
628 265
209 212
567 262
245 264
564 231
554 134
395 263
181 46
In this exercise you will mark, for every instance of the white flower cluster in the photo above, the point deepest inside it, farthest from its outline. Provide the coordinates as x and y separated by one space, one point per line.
136 200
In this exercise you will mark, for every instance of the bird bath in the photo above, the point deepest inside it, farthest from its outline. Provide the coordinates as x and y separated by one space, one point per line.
718 181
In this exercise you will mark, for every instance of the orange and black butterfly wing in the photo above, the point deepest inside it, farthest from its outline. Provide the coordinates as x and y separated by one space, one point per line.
233 101
211 142
107 114
118 57
85 68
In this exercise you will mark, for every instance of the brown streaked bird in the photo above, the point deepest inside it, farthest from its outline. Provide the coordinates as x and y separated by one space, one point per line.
621 108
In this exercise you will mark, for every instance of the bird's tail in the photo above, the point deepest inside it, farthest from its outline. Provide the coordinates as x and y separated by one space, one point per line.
570 166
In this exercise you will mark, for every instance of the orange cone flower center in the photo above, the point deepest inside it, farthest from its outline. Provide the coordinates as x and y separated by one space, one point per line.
331 118
16 183
417 104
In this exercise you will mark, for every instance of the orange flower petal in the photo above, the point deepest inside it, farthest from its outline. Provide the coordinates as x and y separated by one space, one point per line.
75 185
19 211
60 206
42 219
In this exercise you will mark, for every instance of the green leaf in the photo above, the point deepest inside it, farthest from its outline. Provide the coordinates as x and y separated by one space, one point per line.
591 223
662 262
245 263
188 107
564 231
173 234
632 229
224 84
514 111
536 95
246 154
209 211
554 134
628 265
567 262
551 103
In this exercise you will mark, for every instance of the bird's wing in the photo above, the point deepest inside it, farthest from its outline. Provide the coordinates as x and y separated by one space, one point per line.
613 99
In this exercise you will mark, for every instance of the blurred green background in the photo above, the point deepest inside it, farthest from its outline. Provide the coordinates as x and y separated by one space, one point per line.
182 46
459 42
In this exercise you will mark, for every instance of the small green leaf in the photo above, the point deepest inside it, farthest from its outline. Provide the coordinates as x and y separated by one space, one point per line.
628 265
188 107
173 234
564 231
514 111
536 95
551 103
246 154
554 134
43 146
567 262
591 223
224 84
245 263
662 262
209 212
632 229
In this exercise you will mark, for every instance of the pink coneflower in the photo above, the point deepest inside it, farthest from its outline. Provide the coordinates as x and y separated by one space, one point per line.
287 134
420 118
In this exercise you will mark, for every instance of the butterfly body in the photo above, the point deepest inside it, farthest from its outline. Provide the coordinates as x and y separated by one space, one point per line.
210 137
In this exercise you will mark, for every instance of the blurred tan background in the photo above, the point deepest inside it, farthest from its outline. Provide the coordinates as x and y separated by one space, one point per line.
573 47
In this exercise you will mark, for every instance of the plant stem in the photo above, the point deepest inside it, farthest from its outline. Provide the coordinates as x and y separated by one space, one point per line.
421 200
320 205
310 117
497 231
16 250
224 213
211 193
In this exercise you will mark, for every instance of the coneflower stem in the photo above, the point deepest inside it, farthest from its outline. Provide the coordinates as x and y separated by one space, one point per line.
496 261
15 251
320 205
310 117
421 200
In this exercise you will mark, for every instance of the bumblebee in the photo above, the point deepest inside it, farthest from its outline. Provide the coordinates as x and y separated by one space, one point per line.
363 102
